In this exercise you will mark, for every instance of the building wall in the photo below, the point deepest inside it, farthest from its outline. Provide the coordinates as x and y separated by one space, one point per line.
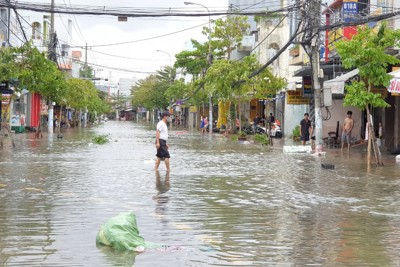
289 115
125 86
293 115
337 113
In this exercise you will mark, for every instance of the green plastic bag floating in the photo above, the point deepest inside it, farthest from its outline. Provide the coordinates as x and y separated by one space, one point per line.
121 232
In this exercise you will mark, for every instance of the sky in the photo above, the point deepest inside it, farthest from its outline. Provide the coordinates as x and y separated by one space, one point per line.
140 56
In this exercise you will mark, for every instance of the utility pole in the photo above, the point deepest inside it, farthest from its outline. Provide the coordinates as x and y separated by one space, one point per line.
52 56
209 59
315 15
8 23
86 55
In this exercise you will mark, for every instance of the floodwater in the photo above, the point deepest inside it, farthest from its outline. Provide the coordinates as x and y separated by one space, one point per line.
223 204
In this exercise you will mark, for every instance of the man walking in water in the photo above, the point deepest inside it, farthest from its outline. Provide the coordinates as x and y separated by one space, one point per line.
346 130
161 141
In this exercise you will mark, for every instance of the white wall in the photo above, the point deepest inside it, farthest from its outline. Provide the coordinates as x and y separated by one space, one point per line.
293 115
338 113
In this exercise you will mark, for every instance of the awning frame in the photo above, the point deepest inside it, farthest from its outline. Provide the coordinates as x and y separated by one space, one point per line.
337 85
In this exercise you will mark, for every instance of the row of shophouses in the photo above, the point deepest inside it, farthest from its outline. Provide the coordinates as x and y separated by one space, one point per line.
26 110
290 104
267 37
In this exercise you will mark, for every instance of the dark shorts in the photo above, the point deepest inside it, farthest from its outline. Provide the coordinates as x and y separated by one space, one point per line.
162 152
305 137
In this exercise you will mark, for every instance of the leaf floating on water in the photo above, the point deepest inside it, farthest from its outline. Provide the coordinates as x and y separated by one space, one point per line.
101 139
3 185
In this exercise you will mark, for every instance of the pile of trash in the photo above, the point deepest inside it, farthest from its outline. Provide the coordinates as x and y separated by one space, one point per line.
121 233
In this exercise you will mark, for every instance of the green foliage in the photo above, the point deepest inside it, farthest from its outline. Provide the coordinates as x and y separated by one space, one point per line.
296 132
177 90
150 93
101 139
193 62
8 68
261 138
228 33
38 74
83 94
242 134
260 18
366 51
86 71
357 96
223 76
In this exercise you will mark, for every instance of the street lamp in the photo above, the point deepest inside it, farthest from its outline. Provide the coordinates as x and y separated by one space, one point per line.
170 62
210 123
170 69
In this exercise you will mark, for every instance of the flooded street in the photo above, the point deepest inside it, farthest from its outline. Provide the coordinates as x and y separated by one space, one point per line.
223 203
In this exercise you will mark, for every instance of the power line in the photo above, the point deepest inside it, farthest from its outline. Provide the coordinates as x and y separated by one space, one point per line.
119 69
123 11
276 26
149 38
19 22
117 56
16 35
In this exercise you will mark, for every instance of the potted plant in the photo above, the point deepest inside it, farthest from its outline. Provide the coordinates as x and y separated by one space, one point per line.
296 133
242 136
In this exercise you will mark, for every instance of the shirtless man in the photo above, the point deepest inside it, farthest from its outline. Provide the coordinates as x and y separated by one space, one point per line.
346 131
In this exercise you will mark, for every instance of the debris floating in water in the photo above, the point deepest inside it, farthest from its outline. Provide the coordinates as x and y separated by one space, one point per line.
297 149
327 166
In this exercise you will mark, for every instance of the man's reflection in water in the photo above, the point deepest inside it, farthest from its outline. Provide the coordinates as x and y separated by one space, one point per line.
162 186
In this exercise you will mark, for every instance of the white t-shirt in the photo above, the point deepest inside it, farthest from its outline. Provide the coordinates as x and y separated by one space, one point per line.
162 127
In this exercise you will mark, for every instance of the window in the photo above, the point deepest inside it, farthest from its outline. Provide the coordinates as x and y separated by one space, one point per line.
271 52
36 33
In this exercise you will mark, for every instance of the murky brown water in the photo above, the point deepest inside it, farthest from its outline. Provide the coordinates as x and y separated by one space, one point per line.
223 204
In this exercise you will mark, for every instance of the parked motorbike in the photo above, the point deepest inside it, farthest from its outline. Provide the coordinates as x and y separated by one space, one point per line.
276 131
251 129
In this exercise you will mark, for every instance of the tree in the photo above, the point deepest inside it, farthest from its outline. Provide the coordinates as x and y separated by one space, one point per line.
150 93
177 90
86 71
223 77
228 33
366 51
38 74
193 62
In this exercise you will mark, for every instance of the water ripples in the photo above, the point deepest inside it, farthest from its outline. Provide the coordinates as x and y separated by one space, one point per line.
223 204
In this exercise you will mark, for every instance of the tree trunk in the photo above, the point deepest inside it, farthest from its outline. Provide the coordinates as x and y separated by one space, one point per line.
371 139
239 118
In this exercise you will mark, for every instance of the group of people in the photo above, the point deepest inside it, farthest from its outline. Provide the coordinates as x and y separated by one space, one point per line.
257 120
307 133
307 130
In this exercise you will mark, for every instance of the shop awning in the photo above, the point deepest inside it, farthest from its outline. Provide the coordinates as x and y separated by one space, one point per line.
337 85
394 86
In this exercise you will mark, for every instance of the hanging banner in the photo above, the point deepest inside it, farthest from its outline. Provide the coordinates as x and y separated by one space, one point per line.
307 86
297 98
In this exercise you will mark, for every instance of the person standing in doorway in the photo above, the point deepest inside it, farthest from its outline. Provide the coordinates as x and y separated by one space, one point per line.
305 129
271 118
348 125
161 141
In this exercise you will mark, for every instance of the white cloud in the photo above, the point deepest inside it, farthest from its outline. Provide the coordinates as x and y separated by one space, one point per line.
98 30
